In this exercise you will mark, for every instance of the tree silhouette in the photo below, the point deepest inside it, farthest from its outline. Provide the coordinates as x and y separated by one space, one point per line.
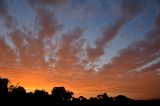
93 101
40 93
61 97
82 98
4 86
104 99
122 100
60 93
18 91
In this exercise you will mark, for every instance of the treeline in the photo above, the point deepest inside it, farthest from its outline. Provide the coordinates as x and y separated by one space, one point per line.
61 97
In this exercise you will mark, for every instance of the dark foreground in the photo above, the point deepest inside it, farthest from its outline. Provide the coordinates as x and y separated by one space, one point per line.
17 96
50 101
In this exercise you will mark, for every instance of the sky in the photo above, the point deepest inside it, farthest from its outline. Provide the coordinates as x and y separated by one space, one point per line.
87 46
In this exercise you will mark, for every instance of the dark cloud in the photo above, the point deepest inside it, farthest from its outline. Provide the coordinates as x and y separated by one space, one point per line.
130 9
49 2
55 2
156 25
3 8
9 20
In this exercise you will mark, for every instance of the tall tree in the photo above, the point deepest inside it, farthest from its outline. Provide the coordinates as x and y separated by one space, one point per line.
4 86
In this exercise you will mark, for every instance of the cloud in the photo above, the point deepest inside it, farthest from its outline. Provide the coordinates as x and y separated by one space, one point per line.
49 2
156 25
67 55
153 67
7 57
88 11
20 40
121 73
107 36
129 10
9 21
137 54
55 2
30 50
70 46
10 43
46 21
3 8
10 24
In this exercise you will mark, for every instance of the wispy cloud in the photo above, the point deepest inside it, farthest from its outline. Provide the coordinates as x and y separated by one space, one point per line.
69 49
46 20
129 10
137 54
10 24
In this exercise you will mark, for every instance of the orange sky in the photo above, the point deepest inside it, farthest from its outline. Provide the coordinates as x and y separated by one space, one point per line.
87 83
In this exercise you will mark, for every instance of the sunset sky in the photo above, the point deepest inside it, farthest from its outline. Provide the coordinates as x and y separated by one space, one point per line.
87 46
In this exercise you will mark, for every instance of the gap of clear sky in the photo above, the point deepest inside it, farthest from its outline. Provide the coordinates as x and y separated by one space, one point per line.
88 46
